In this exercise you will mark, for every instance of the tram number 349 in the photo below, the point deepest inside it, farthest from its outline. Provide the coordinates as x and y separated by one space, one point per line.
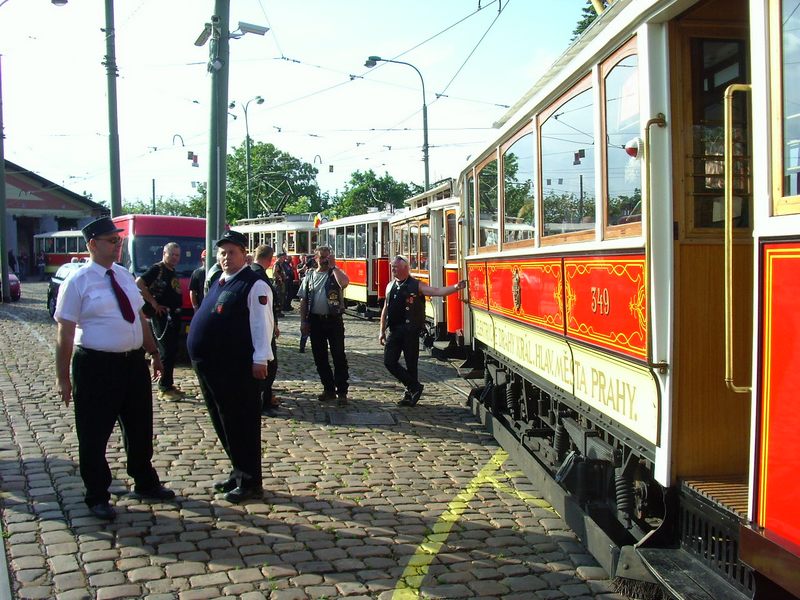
601 303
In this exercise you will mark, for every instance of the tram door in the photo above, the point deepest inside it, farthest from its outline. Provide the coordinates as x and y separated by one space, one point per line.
709 51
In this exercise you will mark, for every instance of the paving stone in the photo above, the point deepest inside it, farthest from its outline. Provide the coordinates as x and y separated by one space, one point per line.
119 591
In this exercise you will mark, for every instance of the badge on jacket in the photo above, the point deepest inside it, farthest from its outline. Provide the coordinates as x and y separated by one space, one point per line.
263 300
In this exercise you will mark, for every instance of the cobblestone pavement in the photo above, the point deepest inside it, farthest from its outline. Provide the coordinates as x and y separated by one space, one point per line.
424 505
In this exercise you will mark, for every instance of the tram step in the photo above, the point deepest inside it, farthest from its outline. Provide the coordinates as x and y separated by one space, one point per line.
685 577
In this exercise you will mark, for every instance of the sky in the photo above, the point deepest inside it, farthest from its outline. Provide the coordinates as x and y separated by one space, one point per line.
322 104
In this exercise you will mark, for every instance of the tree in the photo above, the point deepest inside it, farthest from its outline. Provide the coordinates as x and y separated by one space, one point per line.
588 15
365 190
193 207
277 180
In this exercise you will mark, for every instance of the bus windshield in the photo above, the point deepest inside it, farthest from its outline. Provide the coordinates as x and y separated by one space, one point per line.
149 249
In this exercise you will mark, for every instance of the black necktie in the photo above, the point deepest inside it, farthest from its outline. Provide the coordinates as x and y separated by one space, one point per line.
122 299
222 281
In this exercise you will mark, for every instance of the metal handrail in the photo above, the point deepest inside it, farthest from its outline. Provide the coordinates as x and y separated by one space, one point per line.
729 92
661 121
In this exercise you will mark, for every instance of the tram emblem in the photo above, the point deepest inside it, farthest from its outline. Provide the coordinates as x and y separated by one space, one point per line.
516 290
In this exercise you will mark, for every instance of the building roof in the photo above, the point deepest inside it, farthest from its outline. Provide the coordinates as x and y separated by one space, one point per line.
29 194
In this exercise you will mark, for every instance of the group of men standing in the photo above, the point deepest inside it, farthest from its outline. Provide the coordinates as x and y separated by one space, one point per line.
103 335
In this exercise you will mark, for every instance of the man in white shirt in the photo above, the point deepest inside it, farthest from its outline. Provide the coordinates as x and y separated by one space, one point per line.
99 315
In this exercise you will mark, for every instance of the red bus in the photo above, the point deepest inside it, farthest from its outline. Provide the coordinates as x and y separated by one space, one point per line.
145 237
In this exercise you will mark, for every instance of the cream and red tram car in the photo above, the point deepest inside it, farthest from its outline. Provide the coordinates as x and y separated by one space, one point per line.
360 244
427 235
294 234
651 390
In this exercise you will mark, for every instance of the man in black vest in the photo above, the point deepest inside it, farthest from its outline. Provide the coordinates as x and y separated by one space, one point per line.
321 306
404 314
161 289
262 258
229 344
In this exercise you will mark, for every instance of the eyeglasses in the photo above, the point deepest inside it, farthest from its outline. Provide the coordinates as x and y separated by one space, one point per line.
113 240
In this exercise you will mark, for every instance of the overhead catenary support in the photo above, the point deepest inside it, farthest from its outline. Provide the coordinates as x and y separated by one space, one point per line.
110 63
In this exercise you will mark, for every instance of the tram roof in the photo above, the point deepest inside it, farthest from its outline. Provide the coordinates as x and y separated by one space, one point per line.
380 216
71 233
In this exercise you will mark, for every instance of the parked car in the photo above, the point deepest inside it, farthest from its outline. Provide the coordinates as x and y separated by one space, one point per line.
55 282
14 287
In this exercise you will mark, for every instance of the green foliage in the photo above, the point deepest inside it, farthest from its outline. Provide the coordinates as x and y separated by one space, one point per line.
193 207
277 180
588 15
365 190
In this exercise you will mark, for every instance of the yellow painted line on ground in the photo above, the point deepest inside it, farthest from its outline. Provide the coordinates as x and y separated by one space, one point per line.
410 581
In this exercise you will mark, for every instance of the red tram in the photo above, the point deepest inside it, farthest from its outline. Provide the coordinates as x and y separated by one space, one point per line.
427 234
360 244
632 244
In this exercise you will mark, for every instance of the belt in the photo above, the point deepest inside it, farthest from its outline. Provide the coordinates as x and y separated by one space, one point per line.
325 317
138 353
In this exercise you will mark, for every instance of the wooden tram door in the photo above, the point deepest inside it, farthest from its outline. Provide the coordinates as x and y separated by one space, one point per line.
711 424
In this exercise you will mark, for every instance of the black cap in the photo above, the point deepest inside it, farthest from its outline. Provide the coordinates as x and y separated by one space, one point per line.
99 226
282 254
233 237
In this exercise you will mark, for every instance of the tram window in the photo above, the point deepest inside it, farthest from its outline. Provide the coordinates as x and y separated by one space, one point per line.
350 242
567 150
49 245
385 240
424 244
469 190
720 63
61 245
413 248
302 242
519 209
291 247
787 138
361 241
314 236
622 123
404 249
452 240
339 250
487 203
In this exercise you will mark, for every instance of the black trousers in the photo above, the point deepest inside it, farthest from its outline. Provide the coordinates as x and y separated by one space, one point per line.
166 330
265 386
108 388
231 396
328 332
403 340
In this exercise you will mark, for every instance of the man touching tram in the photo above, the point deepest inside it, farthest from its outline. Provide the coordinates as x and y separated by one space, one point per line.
404 315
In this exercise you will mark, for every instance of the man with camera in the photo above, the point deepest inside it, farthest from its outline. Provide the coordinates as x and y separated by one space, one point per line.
321 307
161 290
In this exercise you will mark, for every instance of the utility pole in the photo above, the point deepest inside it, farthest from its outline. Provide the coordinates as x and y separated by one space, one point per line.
3 230
110 63
154 196
218 131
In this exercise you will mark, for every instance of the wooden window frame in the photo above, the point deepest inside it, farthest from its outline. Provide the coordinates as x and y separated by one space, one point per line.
528 128
629 48
781 204
447 238
582 85
495 156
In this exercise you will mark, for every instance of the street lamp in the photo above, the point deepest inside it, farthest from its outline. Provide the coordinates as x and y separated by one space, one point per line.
371 62
259 100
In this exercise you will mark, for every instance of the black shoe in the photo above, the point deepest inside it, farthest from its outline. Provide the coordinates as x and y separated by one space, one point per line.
240 494
342 400
155 493
103 511
326 397
225 486
269 411
411 398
